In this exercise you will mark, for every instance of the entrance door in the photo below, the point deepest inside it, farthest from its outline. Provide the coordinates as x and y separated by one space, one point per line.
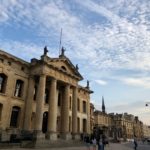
45 120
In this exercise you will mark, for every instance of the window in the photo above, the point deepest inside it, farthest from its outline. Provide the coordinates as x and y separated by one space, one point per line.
35 92
78 123
15 116
69 123
84 125
70 103
59 99
1 108
78 104
46 96
19 88
22 68
9 63
3 80
64 68
1 60
84 106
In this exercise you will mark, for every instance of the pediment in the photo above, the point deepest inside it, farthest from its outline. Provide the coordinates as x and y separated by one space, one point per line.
65 65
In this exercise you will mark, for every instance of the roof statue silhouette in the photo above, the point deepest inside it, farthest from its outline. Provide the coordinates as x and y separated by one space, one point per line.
88 84
45 50
77 68
63 51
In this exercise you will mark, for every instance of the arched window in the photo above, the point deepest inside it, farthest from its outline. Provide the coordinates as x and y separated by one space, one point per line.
15 116
1 108
19 88
3 80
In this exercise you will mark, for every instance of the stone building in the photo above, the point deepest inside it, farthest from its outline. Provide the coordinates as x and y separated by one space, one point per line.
138 128
146 131
92 117
102 121
126 126
42 96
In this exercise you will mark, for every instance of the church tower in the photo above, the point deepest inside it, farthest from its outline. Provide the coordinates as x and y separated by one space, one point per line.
103 105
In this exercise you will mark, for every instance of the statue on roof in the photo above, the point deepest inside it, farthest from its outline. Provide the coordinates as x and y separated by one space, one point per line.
63 51
45 50
77 68
88 83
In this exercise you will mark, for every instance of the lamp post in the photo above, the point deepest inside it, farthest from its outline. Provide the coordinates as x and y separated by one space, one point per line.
147 104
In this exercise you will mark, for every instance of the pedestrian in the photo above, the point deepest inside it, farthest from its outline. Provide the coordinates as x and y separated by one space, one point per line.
103 141
135 143
87 140
94 143
100 144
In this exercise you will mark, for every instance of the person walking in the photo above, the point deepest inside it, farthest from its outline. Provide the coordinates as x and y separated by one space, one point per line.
103 141
135 143
94 143
87 141
100 144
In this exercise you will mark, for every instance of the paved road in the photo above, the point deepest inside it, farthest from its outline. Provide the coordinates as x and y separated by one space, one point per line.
112 146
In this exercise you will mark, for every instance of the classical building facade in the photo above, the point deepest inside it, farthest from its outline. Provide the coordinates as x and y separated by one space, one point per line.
42 96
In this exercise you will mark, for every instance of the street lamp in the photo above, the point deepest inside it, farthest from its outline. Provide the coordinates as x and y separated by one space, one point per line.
147 104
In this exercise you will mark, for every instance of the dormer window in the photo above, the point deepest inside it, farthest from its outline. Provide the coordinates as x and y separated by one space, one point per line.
64 68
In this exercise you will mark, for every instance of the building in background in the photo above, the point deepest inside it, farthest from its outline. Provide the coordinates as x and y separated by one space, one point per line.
117 127
102 121
43 97
146 131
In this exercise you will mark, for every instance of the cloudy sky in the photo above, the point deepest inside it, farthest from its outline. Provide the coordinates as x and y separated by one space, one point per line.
108 39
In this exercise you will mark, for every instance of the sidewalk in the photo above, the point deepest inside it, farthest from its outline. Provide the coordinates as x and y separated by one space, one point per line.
112 146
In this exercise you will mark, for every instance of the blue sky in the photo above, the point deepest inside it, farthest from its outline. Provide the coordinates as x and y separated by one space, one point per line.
108 39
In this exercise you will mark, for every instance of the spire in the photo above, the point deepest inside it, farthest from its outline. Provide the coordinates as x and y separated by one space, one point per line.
103 105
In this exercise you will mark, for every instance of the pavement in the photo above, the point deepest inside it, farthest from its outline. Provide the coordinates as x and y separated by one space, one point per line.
111 146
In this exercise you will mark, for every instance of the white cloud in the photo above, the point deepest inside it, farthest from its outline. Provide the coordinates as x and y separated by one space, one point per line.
142 82
101 82
116 45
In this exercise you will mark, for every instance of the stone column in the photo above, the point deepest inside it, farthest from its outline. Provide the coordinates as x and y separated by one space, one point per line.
39 105
65 114
74 113
52 113
88 115
28 104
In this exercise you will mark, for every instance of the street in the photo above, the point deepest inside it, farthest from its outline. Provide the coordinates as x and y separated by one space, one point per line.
112 146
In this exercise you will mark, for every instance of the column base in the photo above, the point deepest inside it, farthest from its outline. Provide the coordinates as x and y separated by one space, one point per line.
76 136
51 135
66 136
38 135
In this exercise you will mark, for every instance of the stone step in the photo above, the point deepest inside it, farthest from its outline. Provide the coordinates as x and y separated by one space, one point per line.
52 144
